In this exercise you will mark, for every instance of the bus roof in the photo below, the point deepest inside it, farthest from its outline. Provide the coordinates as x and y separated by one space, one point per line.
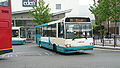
61 20
17 28
77 17
48 23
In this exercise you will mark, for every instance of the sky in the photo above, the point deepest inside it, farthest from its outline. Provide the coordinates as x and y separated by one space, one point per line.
86 2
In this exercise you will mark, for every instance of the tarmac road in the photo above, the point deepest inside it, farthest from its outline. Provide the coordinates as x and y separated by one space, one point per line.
32 56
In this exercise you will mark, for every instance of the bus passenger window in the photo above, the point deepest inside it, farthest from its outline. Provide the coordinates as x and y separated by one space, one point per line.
53 30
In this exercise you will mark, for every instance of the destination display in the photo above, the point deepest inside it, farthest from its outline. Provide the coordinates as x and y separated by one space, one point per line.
77 20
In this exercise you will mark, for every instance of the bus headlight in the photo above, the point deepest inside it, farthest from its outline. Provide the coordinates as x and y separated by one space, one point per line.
91 43
68 45
81 42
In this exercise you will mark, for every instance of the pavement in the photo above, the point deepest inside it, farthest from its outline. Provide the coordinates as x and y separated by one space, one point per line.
107 47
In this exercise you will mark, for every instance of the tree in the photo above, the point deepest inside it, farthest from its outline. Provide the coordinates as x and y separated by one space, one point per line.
41 13
106 10
98 29
101 11
115 10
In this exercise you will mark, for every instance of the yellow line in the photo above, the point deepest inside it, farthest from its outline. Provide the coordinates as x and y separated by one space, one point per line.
5 49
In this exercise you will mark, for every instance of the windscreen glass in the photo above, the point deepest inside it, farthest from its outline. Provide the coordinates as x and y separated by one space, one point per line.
4 3
78 30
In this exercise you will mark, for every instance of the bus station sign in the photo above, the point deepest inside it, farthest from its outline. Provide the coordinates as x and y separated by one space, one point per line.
29 3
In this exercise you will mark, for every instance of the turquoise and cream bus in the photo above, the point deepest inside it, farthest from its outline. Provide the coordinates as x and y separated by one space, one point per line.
18 35
68 35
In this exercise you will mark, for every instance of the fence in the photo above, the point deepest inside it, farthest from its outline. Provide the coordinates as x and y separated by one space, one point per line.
107 41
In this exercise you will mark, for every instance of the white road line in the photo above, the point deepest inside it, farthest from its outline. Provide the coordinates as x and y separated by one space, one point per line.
46 53
51 53
39 53
9 55
3 55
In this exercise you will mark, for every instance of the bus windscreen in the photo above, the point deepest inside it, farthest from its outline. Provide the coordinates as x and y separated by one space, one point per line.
15 33
4 3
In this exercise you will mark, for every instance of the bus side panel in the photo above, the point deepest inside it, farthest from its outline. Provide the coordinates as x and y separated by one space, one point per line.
45 42
58 41
5 29
5 13
48 42
5 37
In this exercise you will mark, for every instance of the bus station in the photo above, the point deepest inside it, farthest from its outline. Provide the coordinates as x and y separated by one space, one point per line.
59 34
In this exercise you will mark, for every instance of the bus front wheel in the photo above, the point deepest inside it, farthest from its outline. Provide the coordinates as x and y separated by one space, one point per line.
54 47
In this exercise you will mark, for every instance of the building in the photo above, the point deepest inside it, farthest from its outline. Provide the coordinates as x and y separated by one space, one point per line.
59 9
79 7
113 29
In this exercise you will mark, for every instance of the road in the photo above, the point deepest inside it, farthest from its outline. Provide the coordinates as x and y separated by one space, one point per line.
32 56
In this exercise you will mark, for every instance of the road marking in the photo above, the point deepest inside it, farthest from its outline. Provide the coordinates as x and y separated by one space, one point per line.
52 53
46 53
9 55
39 53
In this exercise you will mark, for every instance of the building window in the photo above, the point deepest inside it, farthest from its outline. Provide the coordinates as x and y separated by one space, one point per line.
58 6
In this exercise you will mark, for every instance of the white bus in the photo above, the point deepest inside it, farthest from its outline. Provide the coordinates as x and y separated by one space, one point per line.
18 35
69 35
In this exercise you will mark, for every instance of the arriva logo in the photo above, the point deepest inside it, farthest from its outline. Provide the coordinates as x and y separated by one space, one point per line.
29 3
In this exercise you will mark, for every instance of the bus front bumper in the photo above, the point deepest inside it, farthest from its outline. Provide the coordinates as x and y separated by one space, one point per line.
18 42
76 49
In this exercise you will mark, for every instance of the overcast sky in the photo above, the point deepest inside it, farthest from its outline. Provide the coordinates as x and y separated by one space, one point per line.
85 2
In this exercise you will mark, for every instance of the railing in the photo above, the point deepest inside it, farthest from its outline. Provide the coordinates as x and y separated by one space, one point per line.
107 41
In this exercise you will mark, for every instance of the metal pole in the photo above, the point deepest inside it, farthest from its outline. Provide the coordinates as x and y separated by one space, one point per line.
14 23
115 29
103 39
108 30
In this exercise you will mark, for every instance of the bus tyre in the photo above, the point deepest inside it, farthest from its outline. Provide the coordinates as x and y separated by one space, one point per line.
54 47
24 42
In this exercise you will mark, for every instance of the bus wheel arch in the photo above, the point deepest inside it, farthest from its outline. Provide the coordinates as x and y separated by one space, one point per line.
24 42
54 47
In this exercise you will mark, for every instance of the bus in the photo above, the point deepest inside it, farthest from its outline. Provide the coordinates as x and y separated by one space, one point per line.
18 35
5 27
68 35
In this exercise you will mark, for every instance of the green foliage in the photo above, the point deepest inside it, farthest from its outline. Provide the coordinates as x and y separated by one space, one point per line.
99 29
41 13
115 10
106 10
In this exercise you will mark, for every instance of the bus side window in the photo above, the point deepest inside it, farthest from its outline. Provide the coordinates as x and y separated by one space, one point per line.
53 30
61 30
49 33
44 33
